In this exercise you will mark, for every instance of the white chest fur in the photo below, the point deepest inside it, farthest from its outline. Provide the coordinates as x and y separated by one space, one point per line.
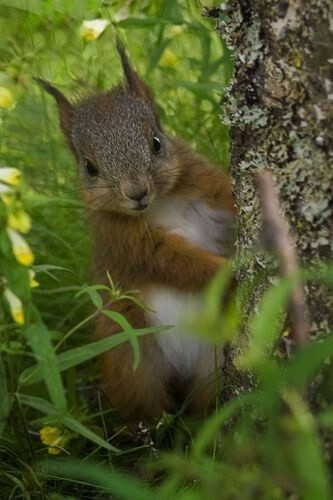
194 220
209 229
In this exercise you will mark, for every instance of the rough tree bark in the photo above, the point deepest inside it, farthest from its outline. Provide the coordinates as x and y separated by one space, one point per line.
280 108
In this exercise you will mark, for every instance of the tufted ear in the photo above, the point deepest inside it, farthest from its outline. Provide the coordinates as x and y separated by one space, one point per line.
66 110
134 82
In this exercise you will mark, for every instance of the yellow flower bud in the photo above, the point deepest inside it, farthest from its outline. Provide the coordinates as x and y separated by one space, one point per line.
91 30
32 282
21 249
6 98
20 221
10 175
168 59
15 306
54 438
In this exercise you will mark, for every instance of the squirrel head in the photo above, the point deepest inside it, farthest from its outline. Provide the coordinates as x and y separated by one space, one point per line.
125 160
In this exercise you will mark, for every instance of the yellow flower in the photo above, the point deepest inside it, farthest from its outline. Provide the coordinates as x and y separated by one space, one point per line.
54 438
6 98
21 249
90 30
20 221
168 59
32 282
15 306
10 175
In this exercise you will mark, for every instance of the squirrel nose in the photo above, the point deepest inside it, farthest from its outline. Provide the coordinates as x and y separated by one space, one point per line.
137 195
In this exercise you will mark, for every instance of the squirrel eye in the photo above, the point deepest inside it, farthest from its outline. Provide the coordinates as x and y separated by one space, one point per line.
156 144
92 171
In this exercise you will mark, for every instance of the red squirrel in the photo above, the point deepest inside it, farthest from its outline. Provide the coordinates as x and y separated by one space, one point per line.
161 218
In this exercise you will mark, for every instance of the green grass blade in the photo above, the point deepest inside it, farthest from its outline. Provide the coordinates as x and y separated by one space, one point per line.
66 420
122 321
211 428
305 450
308 361
78 355
120 485
4 397
140 22
265 326
40 342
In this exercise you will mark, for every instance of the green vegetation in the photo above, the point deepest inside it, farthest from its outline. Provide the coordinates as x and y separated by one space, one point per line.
55 438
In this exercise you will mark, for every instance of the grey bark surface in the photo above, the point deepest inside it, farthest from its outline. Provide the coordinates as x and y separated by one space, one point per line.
280 108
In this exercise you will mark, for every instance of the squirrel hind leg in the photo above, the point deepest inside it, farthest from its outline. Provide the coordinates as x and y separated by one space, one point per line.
204 388
195 395
201 399
139 394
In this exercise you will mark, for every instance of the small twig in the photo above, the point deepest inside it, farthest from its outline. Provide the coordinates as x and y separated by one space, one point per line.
277 228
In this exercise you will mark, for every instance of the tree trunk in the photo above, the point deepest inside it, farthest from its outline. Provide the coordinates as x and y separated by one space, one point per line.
280 108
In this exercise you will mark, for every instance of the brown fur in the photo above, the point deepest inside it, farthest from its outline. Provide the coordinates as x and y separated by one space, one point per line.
113 131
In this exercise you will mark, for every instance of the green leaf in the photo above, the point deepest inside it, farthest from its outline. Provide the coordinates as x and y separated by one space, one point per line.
4 398
78 355
120 485
47 268
141 22
40 342
210 429
309 460
65 419
305 450
216 288
43 268
157 53
212 322
122 321
300 370
265 326
93 294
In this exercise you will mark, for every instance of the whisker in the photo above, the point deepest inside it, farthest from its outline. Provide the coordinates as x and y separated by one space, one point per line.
87 188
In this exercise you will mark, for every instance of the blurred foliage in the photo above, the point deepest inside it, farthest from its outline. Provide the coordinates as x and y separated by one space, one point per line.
171 45
267 443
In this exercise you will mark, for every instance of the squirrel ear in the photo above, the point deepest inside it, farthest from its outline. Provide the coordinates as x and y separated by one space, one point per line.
135 84
64 106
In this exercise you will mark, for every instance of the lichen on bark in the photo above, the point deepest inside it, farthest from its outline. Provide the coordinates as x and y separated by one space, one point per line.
280 109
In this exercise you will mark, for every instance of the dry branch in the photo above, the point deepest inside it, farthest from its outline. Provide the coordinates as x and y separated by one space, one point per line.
276 226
